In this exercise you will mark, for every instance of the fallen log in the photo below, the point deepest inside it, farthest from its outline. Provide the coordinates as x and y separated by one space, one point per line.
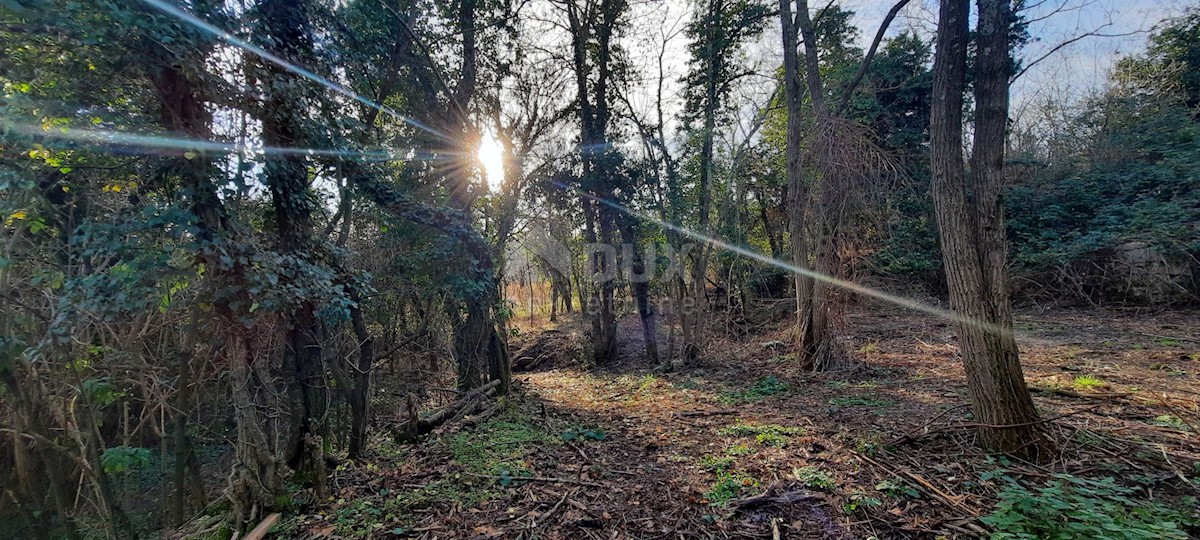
418 425
528 363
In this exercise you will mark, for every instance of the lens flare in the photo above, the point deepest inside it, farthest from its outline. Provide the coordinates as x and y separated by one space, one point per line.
841 283
274 59
119 142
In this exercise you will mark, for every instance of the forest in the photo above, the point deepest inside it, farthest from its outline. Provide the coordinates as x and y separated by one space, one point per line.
658 269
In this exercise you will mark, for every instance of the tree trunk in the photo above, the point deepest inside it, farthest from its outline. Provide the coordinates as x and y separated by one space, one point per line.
641 290
181 442
257 476
285 30
361 396
798 191
597 158
971 227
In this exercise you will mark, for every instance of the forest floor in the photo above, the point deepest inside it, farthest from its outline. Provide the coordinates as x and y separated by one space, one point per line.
885 451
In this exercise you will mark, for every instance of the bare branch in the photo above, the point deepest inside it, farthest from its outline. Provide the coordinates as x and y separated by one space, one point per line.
866 63
1094 33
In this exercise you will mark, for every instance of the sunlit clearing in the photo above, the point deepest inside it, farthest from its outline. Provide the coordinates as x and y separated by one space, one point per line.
491 156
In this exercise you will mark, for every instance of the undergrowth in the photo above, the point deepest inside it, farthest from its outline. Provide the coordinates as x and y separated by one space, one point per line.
730 485
499 446
1087 381
764 434
813 477
1073 508
763 388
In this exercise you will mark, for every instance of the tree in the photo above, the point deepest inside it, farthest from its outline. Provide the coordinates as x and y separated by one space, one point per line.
839 154
1175 51
285 28
970 220
593 26
717 34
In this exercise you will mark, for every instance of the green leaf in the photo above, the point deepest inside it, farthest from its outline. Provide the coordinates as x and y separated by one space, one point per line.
121 459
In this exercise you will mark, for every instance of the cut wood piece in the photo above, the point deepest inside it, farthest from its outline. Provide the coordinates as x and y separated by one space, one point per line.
261 530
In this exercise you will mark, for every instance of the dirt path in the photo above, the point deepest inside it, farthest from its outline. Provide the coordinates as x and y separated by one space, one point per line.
625 452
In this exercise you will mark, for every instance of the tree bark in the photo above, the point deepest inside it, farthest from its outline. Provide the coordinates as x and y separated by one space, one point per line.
971 225
641 290
361 393
817 304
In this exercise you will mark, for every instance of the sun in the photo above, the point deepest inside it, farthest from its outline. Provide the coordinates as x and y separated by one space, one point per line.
491 156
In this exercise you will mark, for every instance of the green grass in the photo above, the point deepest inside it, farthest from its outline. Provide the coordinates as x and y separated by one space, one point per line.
763 388
500 444
847 384
717 464
1170 421
860 401
739 449
499 447
730 485
1087 381
396 511
647 382
764 434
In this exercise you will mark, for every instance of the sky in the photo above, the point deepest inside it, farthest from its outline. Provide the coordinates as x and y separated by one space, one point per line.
1070 73
1081 66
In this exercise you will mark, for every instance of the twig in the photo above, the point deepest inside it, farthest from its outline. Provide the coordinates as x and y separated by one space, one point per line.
538 479
1176 338
971 425
904 438
921 482
553 509
689 414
